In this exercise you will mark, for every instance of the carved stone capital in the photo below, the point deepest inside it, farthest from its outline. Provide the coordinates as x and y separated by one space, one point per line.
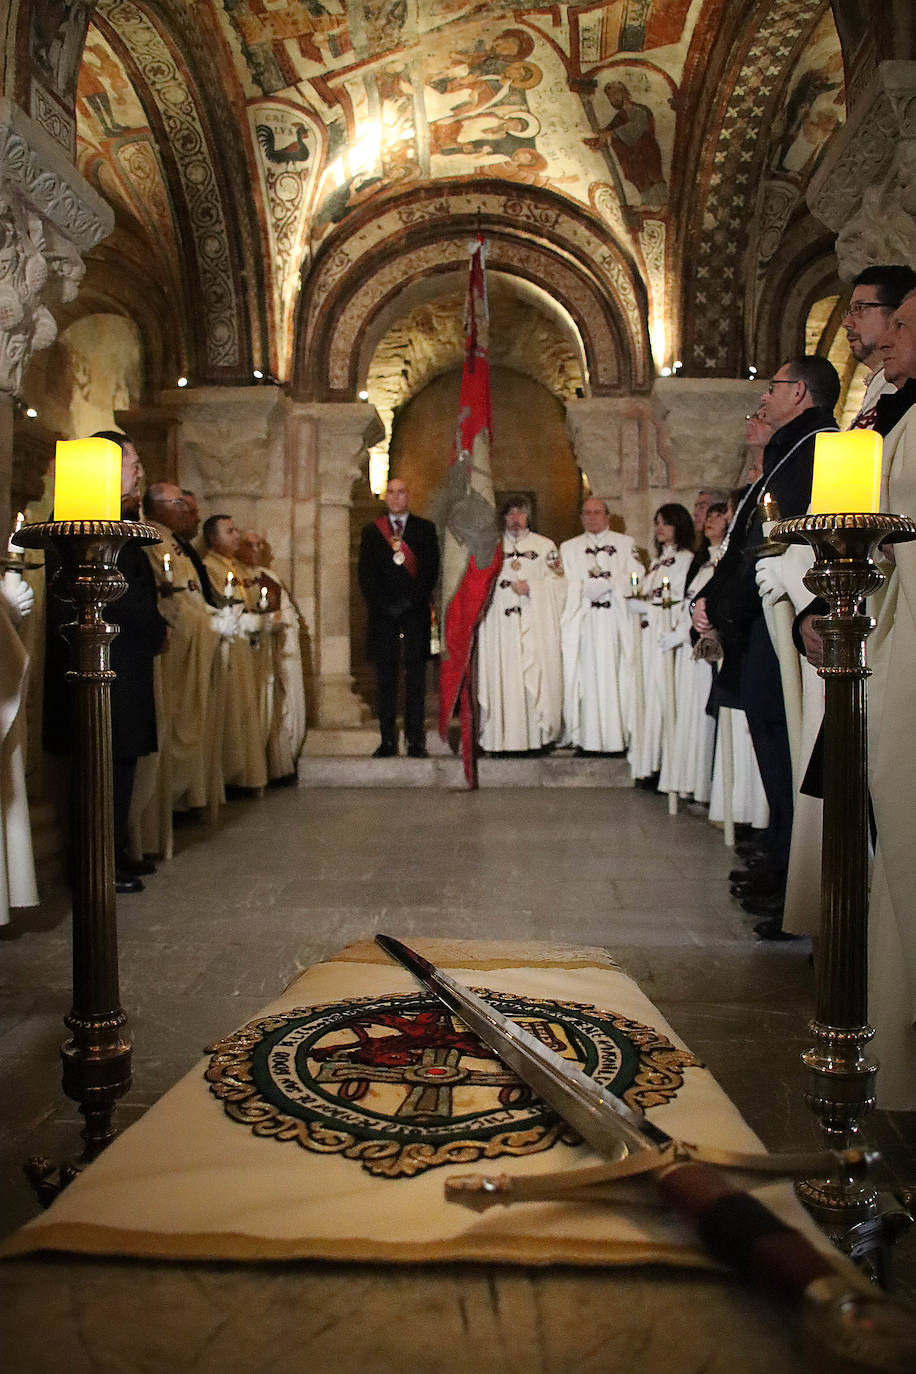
48 216
865 188
233 436
344 432
703 428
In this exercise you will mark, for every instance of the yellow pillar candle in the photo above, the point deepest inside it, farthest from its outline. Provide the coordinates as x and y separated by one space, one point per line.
87 480
847 473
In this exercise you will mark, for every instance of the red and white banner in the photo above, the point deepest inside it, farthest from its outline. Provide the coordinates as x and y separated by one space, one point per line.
471 554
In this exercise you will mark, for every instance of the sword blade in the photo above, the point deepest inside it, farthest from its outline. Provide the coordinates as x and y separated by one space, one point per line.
599 1116
735 1227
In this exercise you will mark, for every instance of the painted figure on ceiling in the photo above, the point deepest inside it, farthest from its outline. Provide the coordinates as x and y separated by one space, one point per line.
631 135
58 30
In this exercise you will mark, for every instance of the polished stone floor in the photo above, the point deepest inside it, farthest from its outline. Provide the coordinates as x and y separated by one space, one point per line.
287 879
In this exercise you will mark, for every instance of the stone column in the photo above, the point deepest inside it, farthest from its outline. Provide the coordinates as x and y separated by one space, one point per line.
49 217
703 431
641 451
865 187
336 439
229 450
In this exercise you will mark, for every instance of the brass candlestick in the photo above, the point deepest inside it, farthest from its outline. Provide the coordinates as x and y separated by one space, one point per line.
96 1056
840 1075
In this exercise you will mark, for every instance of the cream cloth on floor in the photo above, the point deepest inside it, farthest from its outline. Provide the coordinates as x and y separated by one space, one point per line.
187 1182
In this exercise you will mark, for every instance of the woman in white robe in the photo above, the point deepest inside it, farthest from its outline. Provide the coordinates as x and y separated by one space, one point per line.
687 766
674 536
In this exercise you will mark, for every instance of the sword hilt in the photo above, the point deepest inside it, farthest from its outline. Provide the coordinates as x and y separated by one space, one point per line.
737 1229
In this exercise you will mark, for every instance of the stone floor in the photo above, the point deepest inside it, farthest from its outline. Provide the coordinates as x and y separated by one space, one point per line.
286 880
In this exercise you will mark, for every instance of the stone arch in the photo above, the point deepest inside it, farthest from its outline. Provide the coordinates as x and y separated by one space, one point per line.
532 235
806 274
729 168
197 172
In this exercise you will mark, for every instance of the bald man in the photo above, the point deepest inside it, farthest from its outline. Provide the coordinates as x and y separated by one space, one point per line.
598 565
398 568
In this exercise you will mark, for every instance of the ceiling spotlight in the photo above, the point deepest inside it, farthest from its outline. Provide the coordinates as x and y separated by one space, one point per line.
182 381
32 413
364 395
666 372
257 374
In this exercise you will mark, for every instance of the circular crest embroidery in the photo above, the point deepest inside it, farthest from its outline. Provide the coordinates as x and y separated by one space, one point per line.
401 1085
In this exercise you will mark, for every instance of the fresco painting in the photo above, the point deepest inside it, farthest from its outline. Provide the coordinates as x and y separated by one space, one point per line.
815 106
106 103
408 93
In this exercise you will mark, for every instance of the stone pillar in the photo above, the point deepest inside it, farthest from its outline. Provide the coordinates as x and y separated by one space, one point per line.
865 187
335 440
639 451
49 217
229 450
703 431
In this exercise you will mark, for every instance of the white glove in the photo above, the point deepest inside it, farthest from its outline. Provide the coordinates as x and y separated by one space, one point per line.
18 596
635 605
250 623
599 589
669 639
770 584
227 622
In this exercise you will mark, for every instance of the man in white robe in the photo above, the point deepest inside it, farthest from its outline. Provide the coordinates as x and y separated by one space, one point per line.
876 293
520 678
17 868
597 646
891 653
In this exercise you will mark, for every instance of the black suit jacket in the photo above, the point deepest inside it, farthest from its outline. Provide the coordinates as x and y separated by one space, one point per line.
141 636
398 603
732 599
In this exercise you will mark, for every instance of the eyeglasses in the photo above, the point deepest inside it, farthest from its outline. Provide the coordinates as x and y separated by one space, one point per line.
782 381
860 307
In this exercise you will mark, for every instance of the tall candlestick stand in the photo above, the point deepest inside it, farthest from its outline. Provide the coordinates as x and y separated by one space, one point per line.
840 1075
670 698
96 1057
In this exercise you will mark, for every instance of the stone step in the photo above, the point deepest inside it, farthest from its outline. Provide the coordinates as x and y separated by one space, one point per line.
445 771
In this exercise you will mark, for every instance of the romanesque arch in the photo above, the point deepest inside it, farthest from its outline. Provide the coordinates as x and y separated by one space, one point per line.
533 236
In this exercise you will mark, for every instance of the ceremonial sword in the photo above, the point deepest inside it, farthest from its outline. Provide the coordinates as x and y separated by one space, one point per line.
736 1228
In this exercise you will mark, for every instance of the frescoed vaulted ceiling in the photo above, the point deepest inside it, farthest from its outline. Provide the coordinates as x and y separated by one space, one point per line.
245 144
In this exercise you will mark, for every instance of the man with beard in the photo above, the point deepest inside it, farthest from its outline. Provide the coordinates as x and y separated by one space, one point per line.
520 677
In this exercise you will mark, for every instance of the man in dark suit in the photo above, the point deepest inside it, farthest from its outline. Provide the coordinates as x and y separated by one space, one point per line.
398 568
798 405
142 634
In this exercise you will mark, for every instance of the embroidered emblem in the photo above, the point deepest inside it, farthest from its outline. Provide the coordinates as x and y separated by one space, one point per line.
400 1085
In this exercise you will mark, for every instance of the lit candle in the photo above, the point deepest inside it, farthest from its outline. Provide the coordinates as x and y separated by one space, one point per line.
262 599
847 473
20 521
769 510
666 591
87 480
229 581
770 507
167 567
634 582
